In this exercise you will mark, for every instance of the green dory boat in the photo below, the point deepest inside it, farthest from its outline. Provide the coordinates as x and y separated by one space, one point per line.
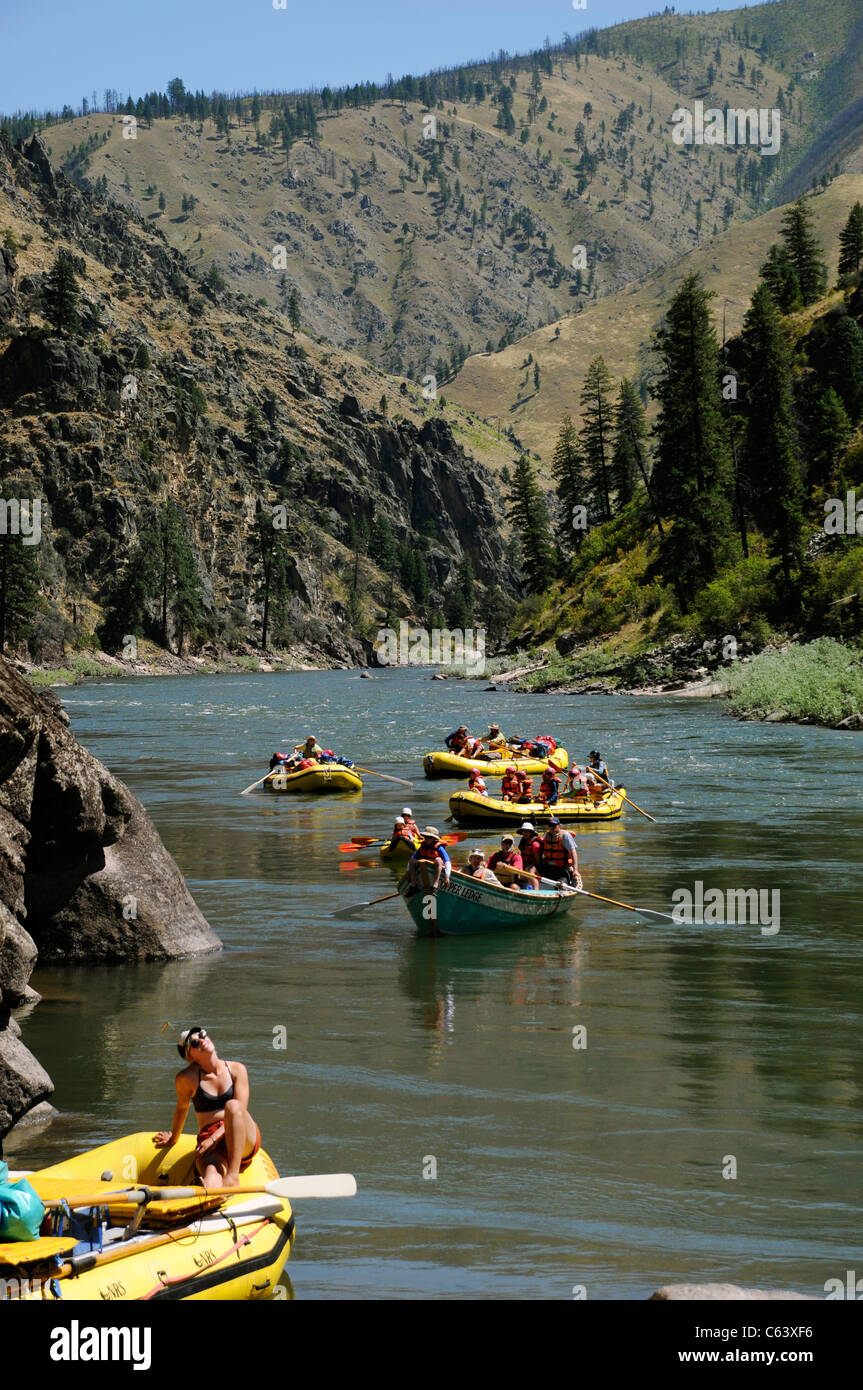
466 906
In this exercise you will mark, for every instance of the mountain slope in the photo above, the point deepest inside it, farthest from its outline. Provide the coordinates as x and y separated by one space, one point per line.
620 326
149 401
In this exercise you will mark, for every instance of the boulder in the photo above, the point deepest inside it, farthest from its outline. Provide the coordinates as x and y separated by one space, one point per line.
82 863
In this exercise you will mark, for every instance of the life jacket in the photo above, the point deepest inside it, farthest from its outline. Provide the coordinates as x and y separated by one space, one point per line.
477 784
530 852
453 739
525 787
427 851
499 857
510 783
549 777
554 852
472 746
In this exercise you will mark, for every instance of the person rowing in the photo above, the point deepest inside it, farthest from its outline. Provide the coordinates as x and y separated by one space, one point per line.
431 851
599 768
228 1137
495 740
507 854
510 787
559 855
310 750
476 782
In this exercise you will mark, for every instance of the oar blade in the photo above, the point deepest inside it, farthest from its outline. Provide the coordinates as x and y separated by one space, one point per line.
298 1189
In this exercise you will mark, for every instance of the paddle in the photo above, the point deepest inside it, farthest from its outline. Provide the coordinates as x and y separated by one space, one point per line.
295 1189
366 842
623 794
246 790
387 778
358 907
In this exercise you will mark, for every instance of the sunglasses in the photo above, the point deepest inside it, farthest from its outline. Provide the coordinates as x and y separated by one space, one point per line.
195 1037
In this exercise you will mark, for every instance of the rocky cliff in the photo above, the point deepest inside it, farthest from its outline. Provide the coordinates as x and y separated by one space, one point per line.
82 864
172 390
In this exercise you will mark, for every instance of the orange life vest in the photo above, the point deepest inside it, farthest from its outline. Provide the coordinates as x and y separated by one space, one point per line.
554 852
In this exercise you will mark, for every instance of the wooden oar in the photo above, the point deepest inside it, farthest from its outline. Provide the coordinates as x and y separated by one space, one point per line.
294 1188
648 911
623 794
570 888
359 907
246 790
386 776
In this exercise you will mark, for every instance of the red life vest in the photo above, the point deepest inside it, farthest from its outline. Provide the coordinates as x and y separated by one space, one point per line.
554 852
510 783
550 777
531 851
426 851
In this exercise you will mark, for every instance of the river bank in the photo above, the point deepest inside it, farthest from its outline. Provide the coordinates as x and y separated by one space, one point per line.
819 682
151 660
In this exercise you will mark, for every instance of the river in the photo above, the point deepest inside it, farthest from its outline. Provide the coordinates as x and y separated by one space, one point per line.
559 1167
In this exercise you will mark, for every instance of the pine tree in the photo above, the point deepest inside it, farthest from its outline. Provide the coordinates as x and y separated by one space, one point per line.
770 458
780 277
596 433
629 430
851 241
19 583
846 367
527 510
567 467
272 552
830 432
294 312
61 295
804 249
691 473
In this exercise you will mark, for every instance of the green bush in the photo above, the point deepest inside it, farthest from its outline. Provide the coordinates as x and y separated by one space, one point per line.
821 681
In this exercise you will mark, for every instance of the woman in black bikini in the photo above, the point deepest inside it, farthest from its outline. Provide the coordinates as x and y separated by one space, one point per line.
228 1137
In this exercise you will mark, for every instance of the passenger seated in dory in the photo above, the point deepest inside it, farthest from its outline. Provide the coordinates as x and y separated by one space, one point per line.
477 868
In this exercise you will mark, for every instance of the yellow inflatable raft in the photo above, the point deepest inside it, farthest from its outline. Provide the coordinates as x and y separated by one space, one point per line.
320 777
446 764
402 852
194 1248
468 808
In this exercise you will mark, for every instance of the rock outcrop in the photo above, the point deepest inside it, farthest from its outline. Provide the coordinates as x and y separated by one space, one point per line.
82 864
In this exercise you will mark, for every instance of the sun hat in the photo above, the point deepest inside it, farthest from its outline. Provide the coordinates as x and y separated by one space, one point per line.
528 826
477 853
431 833
406 811
399 820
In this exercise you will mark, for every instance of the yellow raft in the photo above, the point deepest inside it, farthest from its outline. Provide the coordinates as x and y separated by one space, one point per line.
320 777
195 1248
446 764
468 808
402 852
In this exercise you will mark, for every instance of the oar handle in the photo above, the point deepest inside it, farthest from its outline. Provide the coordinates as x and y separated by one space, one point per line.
386 776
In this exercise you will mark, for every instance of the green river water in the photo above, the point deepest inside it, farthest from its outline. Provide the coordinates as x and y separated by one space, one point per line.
557 1167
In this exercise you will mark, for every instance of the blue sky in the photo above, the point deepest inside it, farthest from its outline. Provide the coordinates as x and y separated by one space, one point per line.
57 51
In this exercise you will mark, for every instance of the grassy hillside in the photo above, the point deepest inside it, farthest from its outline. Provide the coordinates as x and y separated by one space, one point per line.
403 268
620 325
